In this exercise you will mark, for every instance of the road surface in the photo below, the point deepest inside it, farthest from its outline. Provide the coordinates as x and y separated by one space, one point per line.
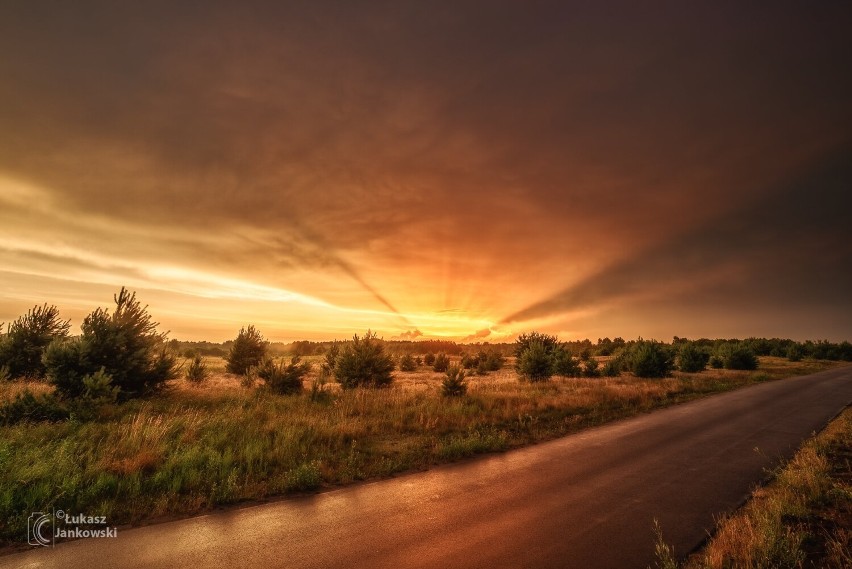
586 500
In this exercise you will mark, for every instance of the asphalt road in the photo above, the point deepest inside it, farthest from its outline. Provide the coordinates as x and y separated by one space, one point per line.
587 500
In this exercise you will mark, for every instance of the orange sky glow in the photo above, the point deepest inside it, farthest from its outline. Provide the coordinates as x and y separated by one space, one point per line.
470 172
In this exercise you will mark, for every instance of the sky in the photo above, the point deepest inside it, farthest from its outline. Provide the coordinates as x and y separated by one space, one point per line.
462 170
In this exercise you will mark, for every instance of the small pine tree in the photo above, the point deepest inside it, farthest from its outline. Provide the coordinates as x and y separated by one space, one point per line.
454 385
363 362
795 352
564 364
535 362
429 359
197 371
469 361
125 345
248 351
482 367
612 368
691 358
22 347
407 363
441 363
650 359
494 361
284 379
740 357
590 368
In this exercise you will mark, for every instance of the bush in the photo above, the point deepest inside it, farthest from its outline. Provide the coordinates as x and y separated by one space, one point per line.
469 361
441 363
454 384
650 359
716 362
22 347
248 351
363 362
123 345
407 363
98 392
535 362
590 368
481 367
612 368
795 353
493 361
29 407
739 357
564 363
196 372
284 379
429 359
691 358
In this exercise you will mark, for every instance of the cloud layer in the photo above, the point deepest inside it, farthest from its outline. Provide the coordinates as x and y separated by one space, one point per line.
443 169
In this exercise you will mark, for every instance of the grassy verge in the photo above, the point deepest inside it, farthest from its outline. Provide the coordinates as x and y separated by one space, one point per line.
802 519
193 447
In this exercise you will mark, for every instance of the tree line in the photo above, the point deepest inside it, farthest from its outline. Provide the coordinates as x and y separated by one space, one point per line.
120 355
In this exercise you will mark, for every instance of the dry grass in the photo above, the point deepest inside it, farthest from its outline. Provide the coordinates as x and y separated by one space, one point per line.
802 519
192 447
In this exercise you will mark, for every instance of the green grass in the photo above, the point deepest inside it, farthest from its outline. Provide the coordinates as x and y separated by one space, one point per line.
193 447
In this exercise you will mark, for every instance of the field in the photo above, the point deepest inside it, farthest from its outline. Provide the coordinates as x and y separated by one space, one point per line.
193 447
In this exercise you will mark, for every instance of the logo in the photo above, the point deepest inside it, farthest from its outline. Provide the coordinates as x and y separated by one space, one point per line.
43 529
40 529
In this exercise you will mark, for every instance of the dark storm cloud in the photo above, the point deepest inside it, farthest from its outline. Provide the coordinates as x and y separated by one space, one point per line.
513 138
791 246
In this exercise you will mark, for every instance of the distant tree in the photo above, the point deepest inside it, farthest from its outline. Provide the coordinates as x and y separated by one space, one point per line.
248 351
363 362
845 351
441 363
429 359
590 368
564 363
22 347
469 361
407 363
691 358
795 353
739 356
650 359
493 361
612 368
302 348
